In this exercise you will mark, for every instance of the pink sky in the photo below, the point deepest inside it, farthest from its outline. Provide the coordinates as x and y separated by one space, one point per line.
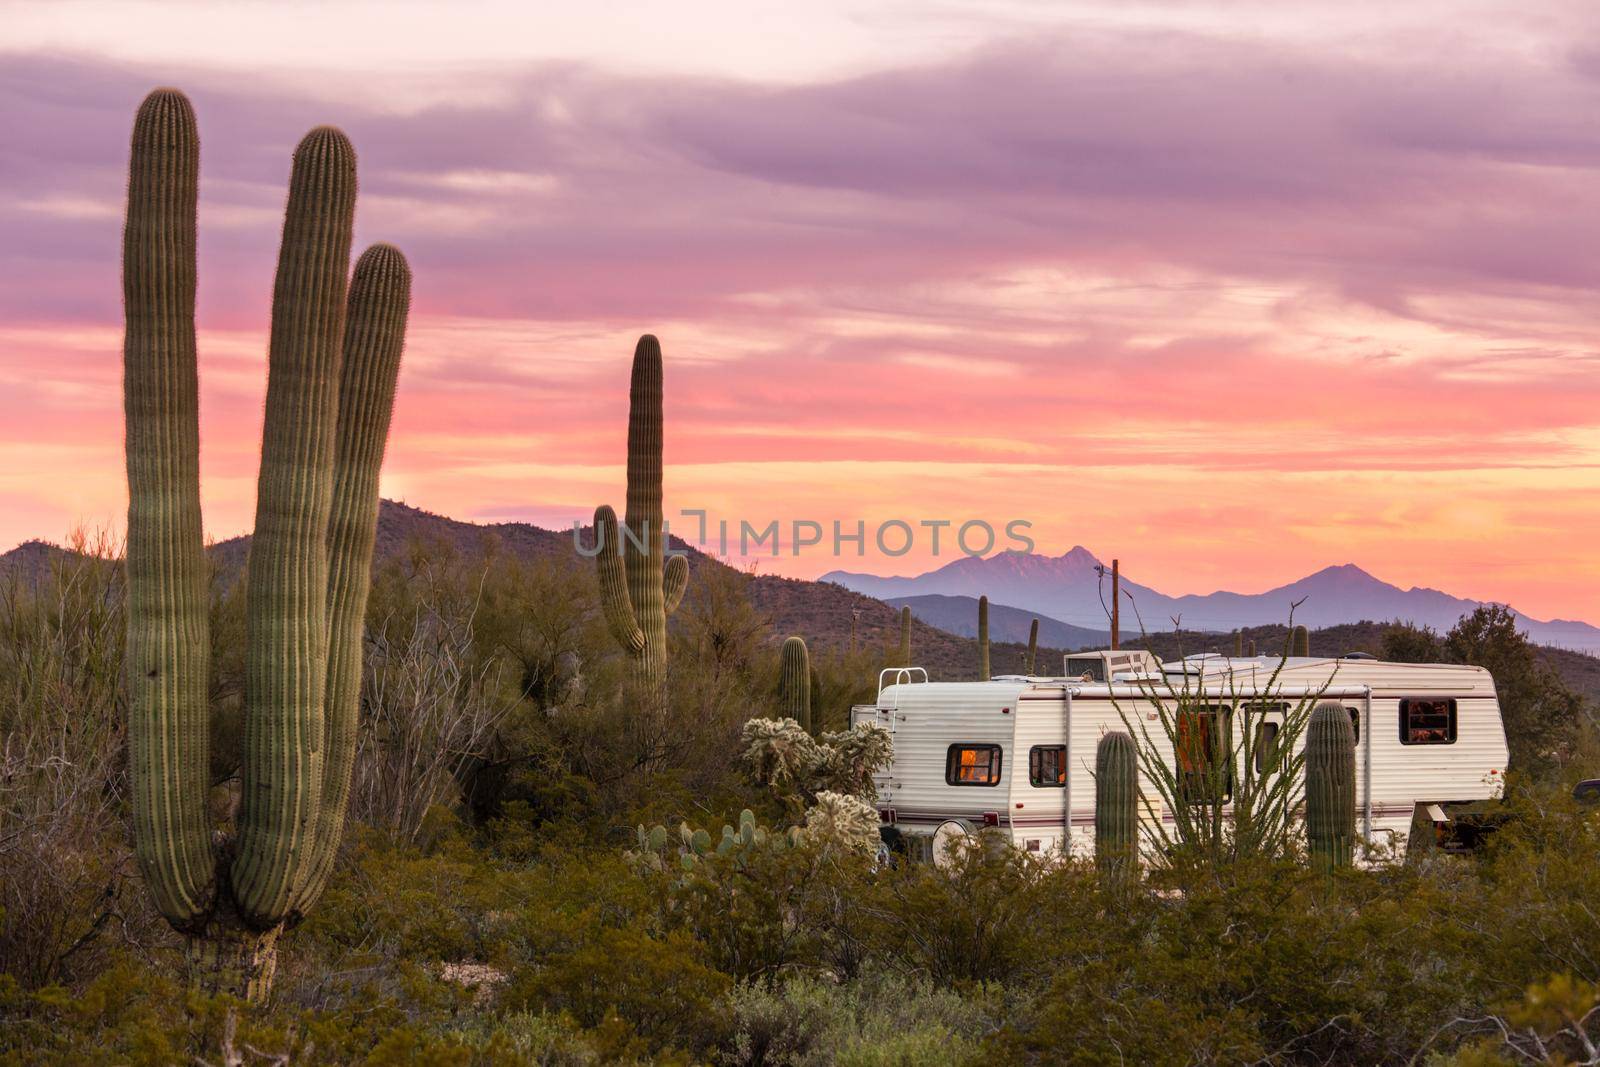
1227 290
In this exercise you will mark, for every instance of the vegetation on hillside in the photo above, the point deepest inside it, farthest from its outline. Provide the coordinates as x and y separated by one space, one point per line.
492 903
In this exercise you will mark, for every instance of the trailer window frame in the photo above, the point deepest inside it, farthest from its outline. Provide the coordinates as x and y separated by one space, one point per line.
1197 731
953 764
1036 776
1442 718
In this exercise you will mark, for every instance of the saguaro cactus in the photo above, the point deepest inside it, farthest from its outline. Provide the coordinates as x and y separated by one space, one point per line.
1116 806
983 639
1330 786
1300 642
794 683
1033 647
639 585
330 393
904 659
1238 643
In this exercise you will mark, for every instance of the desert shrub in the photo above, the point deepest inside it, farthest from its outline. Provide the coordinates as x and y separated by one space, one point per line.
69 886
880 1018
660 985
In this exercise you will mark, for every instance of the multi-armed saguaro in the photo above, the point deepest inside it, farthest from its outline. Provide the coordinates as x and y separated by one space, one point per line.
794 682
1330 786
639 585
332 367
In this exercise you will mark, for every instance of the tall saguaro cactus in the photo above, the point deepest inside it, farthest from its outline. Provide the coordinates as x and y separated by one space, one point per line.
794 682
983 639
1033 647
1116 806
330 392
1300 641
1330 786
639 585
904 658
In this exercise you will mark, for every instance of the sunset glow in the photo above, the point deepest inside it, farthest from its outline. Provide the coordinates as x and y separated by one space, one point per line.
1229 296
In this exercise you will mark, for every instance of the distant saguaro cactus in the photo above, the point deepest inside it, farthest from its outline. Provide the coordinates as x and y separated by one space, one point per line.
1300 642
330 392
1238 644
904 658
983 639
639 585
1330 786
794 683
1116 806
1033 647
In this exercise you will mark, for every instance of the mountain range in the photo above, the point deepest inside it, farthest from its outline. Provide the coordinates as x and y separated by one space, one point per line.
1075 589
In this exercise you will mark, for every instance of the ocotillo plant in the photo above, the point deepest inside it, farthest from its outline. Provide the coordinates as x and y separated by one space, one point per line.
330 393
904 659
1330 786
983 639
1116 806
1300 642
1033 647
639 585
794 683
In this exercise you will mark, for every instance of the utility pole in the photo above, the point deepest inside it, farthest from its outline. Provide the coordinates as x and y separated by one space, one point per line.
1116 604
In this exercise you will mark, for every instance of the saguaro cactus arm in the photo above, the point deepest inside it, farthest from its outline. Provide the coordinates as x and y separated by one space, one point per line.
614 600
168 601
374 339
287 595
674 580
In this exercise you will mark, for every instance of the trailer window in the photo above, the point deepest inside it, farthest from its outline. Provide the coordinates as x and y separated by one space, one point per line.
1427 721
1205 758
972 765
1355 722
1266 744
1091 667
1047 766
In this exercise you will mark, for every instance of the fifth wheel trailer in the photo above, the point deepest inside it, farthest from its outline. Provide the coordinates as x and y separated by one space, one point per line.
1017 753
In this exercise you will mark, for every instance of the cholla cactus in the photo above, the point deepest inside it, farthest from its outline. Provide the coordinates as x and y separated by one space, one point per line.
782 756
851 757
843 822
779 753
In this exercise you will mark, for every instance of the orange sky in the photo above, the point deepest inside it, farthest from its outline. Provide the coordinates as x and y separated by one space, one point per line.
1230 300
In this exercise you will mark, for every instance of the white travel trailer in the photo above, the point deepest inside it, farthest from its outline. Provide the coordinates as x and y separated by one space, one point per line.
1017 753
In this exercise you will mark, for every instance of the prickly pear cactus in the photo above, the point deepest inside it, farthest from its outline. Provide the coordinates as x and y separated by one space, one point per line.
1330 786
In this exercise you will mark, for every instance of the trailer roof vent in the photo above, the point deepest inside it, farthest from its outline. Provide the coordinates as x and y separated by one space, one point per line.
1359 655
